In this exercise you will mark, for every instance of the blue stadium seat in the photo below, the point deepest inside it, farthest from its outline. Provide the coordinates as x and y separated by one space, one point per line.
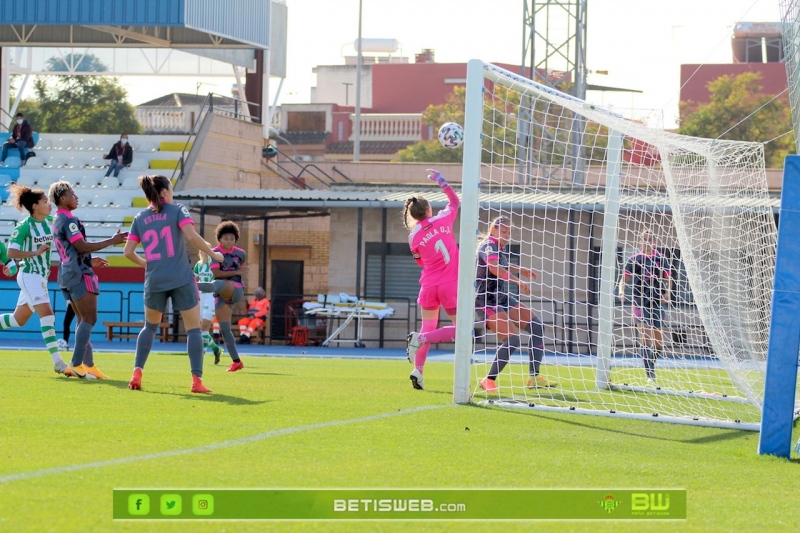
13 161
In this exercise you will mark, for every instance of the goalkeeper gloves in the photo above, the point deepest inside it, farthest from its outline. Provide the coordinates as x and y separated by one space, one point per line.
436 176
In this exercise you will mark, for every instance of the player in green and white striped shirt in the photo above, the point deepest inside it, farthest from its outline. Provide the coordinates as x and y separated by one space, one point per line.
30 243
9 265
203 274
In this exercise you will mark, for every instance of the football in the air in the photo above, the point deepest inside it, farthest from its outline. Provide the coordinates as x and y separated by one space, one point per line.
451 135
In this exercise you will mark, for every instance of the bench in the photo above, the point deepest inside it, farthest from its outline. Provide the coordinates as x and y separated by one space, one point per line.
259 336
164 335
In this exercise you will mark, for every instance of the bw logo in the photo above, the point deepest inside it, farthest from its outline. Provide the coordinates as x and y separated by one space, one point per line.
609 503
653 501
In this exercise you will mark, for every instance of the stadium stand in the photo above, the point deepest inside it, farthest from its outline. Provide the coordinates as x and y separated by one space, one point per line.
105 204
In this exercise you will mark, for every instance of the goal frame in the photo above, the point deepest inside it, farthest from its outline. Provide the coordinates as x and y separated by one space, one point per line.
469 230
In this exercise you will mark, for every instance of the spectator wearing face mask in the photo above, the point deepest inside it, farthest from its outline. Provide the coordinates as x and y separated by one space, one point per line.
121 155
21 138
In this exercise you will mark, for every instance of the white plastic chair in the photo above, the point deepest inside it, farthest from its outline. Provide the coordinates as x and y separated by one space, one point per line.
130 183
9 212
78 161
98 162
56 162
43 144
28 181
148 146
63 144
34 162
109 182
84 195
139 165
89 181
84 144
123 201
100 200
44 182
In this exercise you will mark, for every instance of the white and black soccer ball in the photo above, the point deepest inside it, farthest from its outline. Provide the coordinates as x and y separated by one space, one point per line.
451 135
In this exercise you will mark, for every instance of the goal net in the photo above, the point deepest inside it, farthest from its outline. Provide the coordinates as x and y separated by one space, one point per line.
580 186
790 13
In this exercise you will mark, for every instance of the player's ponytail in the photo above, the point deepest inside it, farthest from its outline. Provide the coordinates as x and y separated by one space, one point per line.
152 187
23 197
414 210
406 222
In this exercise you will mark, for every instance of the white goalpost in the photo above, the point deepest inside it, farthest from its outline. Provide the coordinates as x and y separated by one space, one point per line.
579 185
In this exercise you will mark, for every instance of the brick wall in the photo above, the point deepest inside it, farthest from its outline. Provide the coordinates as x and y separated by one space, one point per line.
229 153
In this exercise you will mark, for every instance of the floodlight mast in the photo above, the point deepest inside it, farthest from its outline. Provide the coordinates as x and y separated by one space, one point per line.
554 54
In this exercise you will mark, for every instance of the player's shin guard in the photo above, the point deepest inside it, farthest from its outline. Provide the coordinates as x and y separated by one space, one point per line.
47 324
88 357
535 344
144 343
82 335
230 342
649 359
421 356
8 321
504 353
208 342
434 336
194 347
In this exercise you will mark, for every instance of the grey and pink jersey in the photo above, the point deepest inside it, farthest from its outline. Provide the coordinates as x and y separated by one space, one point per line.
490 286
74 265
434 245
168 263
234 260
649 274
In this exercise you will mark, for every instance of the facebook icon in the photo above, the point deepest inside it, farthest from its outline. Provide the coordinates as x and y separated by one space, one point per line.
138 504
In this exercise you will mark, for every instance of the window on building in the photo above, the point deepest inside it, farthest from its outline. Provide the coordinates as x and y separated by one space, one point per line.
401 271
305 121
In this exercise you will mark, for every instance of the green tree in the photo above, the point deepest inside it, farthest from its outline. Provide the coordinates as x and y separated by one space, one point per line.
732 99
499 127
78 62
434 116
82 103
548 131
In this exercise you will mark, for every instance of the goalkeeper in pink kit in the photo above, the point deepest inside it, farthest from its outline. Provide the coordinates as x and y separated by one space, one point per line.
433 245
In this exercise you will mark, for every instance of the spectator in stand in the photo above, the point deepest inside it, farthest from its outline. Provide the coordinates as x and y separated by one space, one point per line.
21 139
121 156
256 317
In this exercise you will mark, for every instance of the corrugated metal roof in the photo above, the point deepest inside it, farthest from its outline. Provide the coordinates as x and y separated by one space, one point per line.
243 23
176 100
396 198
94 12
243 20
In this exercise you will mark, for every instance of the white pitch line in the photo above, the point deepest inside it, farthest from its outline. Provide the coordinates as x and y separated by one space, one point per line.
210 447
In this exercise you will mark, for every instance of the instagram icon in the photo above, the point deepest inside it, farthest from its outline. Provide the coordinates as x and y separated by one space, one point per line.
203 504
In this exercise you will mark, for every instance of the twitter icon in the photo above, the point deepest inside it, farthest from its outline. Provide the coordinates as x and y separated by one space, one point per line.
171 504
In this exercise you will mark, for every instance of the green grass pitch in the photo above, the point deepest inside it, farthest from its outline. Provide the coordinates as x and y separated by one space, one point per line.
316 423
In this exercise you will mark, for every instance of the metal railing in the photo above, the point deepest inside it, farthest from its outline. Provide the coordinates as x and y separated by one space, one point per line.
390 127
298 173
